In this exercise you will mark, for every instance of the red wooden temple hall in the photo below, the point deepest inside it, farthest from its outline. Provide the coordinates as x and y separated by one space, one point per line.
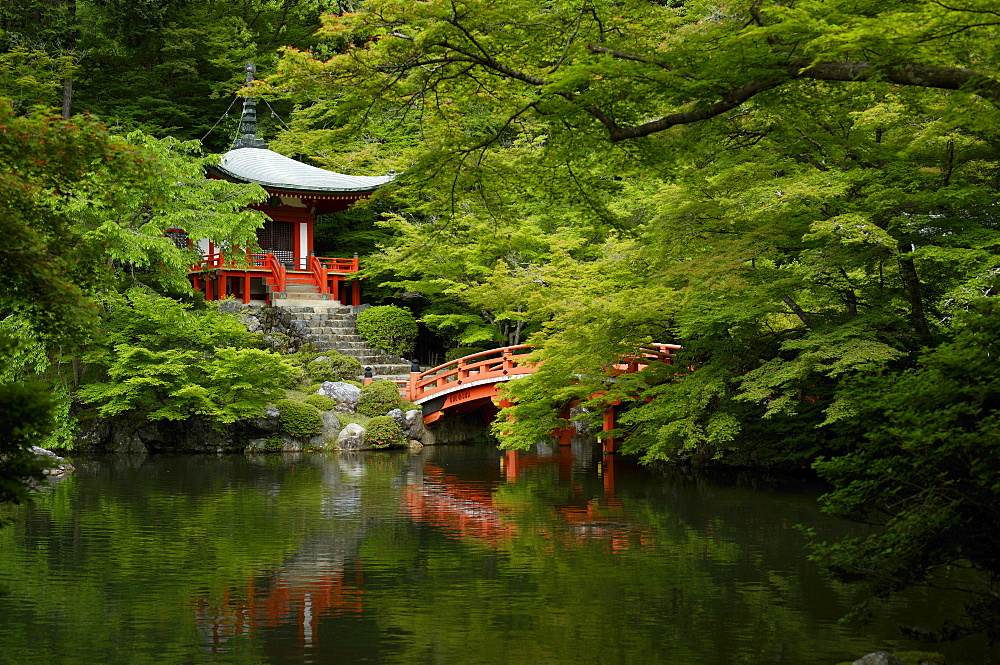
286 267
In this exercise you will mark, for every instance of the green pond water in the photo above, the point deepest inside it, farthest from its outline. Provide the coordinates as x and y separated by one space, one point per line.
453 554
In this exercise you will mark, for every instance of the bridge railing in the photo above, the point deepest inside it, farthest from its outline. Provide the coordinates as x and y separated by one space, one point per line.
494 364
644 356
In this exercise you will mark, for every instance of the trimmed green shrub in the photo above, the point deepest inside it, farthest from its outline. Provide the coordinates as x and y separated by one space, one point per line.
383 432
377 398
337 367
388 327
321 402
299 419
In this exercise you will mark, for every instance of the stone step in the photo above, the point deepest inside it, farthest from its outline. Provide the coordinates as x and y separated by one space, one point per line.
340 344
333 308
331 330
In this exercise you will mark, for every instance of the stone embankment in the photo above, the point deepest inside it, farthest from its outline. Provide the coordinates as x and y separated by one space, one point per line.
252 435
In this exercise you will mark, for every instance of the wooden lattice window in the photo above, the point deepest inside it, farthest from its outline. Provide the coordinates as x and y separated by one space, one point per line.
276 237
179 237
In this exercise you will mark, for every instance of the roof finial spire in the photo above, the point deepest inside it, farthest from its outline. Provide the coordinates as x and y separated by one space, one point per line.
247 137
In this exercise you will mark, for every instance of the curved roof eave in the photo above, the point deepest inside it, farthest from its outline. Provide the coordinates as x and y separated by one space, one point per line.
270 169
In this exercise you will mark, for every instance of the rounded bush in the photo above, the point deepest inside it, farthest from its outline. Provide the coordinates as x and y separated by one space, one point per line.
298 419
388 327
321 402
378 398
383 432
336 367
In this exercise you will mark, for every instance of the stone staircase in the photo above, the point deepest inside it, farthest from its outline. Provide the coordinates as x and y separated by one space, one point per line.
329 326
300 289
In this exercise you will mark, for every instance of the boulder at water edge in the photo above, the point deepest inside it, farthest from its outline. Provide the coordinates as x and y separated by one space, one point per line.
55 466
345 394
351 437
327 439
879 658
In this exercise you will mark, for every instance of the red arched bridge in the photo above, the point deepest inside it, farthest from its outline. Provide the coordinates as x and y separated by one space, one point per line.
470 383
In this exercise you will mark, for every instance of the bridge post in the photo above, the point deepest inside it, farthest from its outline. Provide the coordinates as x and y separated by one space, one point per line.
608 476
512 465
368 378
610 421
565 434
414 377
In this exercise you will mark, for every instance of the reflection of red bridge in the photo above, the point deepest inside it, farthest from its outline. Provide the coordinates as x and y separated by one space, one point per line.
470 383
467 509
458 507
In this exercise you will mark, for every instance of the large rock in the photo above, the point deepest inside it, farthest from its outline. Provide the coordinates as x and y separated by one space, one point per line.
879 658
251 322
327 439
413 423
125 441
397 415
413 426
351 437
55 466
268 423
345 394
274 444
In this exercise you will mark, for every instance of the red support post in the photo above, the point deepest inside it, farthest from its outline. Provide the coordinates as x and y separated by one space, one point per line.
246 289
565 434
609 476
512 466
609 424
356 292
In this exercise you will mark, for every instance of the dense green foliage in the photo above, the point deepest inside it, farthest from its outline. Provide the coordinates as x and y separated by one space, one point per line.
388 327
26 416
321 402
928 472
378 398
159 360
83 214
299 419
164 66
382 432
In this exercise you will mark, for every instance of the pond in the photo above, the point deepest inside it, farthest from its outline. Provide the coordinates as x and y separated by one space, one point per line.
452 554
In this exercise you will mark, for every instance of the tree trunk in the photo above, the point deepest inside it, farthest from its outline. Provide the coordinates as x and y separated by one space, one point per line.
799 312
908 272
67 101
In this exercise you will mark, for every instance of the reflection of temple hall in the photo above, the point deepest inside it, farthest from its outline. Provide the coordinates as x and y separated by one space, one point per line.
298 194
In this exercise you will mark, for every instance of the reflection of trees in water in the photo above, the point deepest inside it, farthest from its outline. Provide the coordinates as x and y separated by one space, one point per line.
444 551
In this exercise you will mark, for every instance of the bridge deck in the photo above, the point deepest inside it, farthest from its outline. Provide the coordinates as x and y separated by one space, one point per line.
473 378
